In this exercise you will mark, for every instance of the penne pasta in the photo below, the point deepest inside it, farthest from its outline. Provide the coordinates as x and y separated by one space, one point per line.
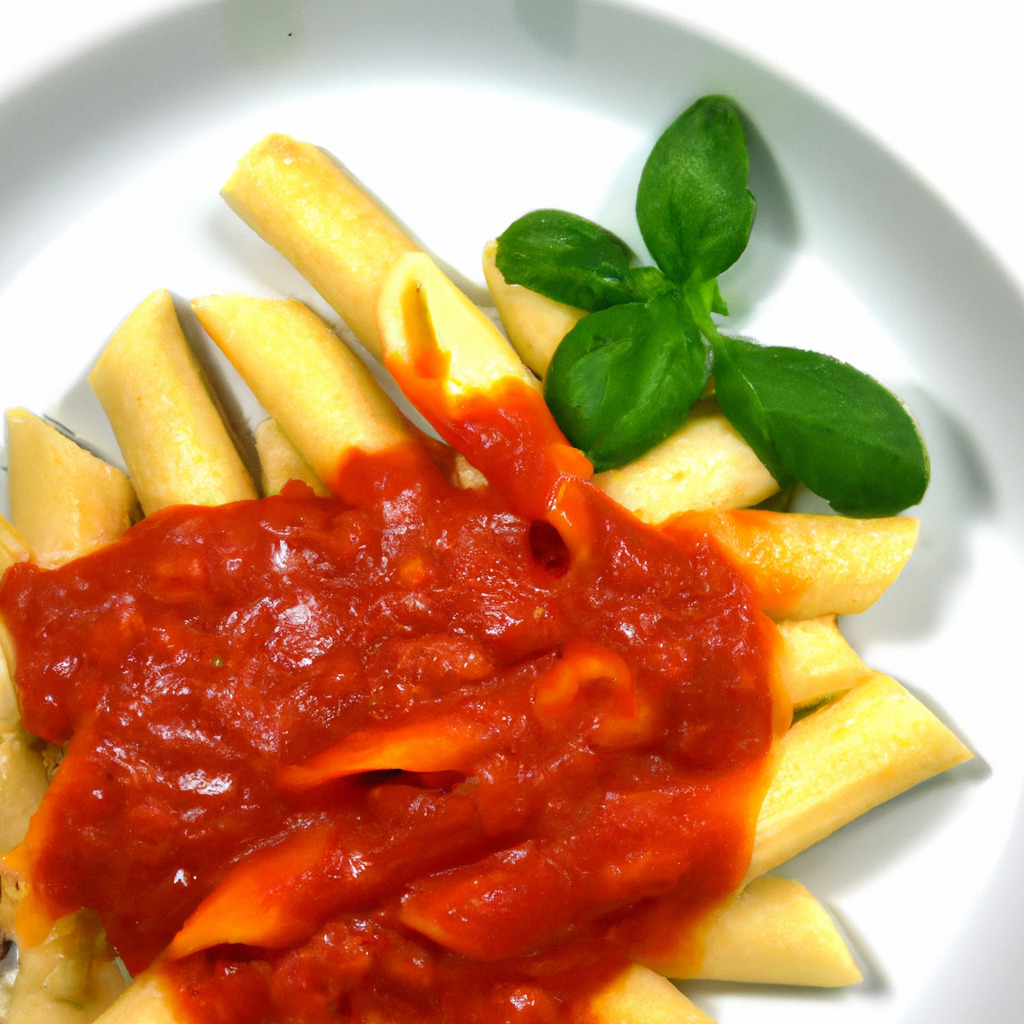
534 324
281 461
149 999
640 994
64 500
10 716
454 365
70 979
774 932
23 777
12 545
807 565
320 394
815 661
844 759
431 331
166 421
704 465
311 210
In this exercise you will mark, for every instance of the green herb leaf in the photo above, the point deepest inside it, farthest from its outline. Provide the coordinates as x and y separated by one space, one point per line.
741 403
573 260
624 378
832 427
693 206
626 375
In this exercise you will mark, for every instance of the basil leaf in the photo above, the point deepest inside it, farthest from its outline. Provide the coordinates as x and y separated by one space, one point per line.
693 206
573 260
741 403
624 378
835 429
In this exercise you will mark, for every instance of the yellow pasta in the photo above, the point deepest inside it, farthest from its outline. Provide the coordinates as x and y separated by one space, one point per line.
842 760
310 209
805 565
12 545
166 421
64 500
281 461
446 355
774 932
431 327
815 660
23 780
70 979
534 324
315 388
148 1000
704 465
639 994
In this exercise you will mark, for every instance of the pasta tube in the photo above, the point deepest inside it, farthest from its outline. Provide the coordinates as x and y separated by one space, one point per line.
640 994
167 424
64 500
534 323
774 932
317 216
281 461
12 545
844 759
70 979
320 394
23 779
431 330
806 565
463 376
815 661
703 465
149 999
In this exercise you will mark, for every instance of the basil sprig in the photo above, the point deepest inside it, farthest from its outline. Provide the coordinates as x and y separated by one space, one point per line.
627 375
625 372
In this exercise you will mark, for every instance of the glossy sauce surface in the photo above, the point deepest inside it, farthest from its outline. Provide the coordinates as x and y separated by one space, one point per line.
405 756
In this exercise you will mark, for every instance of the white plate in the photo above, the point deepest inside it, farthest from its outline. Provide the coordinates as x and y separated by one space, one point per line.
465 113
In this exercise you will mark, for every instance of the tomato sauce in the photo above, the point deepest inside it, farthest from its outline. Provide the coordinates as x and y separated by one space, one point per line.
404 755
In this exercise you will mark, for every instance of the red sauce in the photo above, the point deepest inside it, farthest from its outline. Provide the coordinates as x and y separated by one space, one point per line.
507 431
402 756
